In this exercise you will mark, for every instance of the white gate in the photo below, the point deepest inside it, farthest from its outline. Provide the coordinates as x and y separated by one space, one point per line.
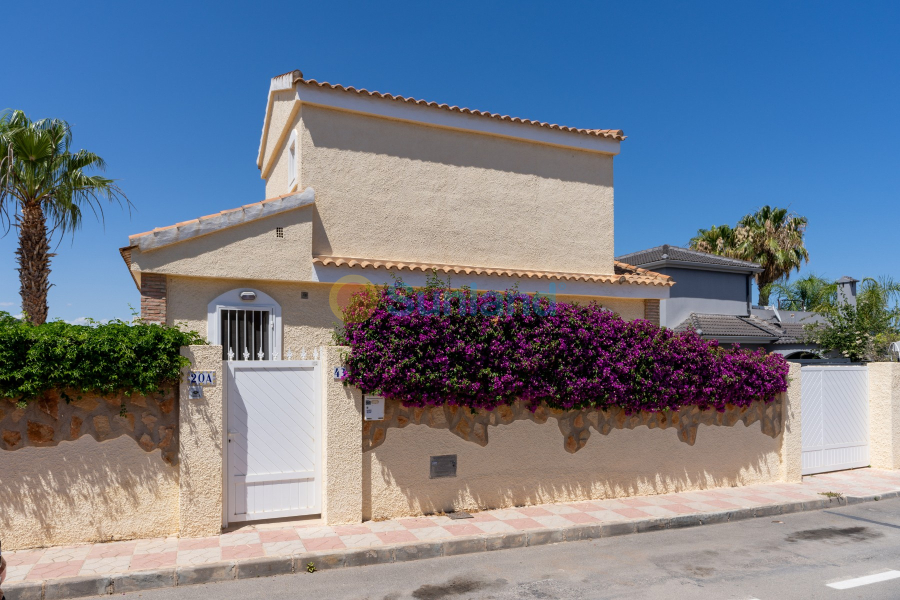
834 416
274 456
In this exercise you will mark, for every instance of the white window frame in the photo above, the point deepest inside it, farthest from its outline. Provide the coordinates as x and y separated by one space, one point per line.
231 300
292 160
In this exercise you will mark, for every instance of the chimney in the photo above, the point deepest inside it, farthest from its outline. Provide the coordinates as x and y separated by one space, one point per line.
847 290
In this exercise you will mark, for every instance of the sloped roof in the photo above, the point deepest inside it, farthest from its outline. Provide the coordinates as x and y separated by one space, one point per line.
736 326
793 333
624 273
667 253
727 326
614 134
163 236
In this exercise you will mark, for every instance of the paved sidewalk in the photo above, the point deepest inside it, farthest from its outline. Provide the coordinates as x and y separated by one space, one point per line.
278 540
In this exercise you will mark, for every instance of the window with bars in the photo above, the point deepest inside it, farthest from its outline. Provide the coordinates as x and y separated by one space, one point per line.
244 331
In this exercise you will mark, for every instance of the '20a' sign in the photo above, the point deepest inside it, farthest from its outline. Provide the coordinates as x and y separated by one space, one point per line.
204 378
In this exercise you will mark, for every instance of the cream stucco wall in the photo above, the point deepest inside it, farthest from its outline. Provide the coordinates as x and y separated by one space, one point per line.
306 323
792 448
403 191
85 491
201 435
276 165
884 415
242 251
627 308
281 120
526 463
342 466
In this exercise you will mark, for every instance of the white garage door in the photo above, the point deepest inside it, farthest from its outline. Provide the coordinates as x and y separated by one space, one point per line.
274 439
834 415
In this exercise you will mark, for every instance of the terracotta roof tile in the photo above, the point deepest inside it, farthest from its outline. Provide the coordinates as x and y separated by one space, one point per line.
613 134
214 215
624 273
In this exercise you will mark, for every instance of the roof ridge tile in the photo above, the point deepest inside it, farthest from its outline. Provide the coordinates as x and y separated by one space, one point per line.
613 134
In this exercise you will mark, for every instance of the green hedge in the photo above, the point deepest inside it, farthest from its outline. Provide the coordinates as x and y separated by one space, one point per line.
106 359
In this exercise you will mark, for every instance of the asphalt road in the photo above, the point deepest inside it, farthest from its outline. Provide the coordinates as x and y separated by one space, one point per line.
787 557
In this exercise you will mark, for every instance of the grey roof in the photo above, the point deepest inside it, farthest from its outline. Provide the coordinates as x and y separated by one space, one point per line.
794 333
667 253
847 279
736 326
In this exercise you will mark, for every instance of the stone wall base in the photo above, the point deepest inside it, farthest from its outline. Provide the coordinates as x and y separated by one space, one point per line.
574 425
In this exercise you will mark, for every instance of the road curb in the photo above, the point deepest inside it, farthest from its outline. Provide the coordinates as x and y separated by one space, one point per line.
79 587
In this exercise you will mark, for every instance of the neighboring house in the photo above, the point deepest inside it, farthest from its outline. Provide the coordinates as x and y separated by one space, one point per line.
364 186
713 296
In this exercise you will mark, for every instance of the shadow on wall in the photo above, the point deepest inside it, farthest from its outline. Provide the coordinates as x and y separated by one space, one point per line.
525 464
86 491
443 146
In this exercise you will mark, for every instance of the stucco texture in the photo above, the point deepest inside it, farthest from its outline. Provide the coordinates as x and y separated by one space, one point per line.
884 415
235 252
627 308
792 445
525 463
306 323
283 109
86 491
402 191
342 464
201 448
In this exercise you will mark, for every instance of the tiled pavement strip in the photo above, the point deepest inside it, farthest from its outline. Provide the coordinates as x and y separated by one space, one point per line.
270 549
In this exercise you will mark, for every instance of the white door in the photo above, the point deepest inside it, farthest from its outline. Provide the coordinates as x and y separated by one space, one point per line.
834 417
274 439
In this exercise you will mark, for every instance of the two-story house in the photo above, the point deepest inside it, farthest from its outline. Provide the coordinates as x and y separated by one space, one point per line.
364 186
713 295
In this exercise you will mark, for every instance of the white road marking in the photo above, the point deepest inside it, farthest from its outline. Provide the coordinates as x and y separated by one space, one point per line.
852 583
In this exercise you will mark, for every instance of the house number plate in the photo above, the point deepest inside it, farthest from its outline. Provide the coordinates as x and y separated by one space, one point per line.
202 378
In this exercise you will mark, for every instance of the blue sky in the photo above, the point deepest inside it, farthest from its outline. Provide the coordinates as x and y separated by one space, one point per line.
727 106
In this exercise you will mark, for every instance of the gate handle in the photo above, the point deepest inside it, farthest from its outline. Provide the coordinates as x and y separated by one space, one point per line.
231 435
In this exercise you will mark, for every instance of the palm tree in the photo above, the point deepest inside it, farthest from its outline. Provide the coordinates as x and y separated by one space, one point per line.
772 237
718 239
811 293
878 304
42 181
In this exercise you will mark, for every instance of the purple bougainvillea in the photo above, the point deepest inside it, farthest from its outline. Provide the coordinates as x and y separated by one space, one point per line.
443 349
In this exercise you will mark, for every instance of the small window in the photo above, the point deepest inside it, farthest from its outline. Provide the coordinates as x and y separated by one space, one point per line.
292 160
279 232
244 334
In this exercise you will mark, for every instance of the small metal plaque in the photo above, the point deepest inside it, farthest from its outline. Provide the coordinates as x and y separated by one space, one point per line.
204 378
195 392
374 406
443 466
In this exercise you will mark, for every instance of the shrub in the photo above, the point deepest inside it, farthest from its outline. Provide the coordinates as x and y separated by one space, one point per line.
116 357
574 356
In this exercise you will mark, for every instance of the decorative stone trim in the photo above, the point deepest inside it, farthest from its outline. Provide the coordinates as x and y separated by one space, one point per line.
150 420
575 425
